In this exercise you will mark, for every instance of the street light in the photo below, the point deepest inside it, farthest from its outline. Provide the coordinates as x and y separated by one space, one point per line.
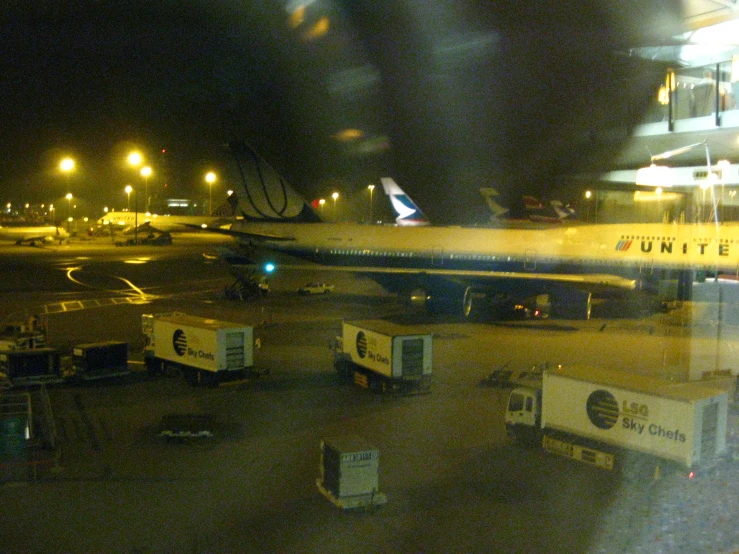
128 190
210 178
145 172
372 190
135 159
69 211
335 196
67 166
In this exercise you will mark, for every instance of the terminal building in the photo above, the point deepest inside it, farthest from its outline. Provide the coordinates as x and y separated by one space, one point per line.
681 163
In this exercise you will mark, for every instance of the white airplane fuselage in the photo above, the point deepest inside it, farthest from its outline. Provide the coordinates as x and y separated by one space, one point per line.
621 249
33 233
163 223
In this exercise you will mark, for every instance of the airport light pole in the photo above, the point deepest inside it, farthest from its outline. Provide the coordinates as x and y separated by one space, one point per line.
134 158
335 196
69 211
128 190
372 190
145 172
210 178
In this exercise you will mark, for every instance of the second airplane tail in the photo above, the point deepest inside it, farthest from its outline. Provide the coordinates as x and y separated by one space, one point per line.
406 210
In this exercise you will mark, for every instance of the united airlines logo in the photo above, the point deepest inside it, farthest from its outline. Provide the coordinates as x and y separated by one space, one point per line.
361 344
623 245
602 409
179 342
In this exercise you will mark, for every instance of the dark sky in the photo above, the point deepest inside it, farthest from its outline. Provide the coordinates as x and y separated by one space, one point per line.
445 96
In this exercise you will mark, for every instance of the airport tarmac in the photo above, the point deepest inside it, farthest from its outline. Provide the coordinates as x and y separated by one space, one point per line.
454 482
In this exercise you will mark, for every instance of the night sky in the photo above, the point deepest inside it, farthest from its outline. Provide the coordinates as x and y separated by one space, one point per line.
446 97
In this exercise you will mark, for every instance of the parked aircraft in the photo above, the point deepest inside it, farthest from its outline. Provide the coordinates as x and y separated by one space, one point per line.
125 221
478 270
34 233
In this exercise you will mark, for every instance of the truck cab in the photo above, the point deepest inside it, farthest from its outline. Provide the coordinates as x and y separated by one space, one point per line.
523 414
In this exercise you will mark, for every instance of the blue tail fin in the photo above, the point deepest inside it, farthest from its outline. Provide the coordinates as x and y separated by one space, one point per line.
407 212
264 195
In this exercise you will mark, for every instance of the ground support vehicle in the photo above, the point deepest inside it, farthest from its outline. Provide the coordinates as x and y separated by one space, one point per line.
246 288
100 360
384 356
24 335
30 367
621 420
205 351
315 288
350 473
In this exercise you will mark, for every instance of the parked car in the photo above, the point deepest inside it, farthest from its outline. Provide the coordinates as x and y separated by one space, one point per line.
315 288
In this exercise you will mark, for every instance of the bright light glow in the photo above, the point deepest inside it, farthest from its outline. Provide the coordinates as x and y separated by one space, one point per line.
210 177
135 159
145 171
322 201
371 187
335 195
348 135
128 189
588 194
654 176
67 164
69 196
269 267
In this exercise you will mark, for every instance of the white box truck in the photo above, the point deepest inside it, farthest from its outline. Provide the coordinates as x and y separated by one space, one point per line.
616 419
206 351
384 356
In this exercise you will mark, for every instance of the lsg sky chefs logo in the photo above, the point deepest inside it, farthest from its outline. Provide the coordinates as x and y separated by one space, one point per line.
361 344
604 412
179 342
602 409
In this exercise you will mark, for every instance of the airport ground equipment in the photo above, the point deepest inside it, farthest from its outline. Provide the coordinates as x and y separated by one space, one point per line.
24 335
206 351
315 288
100 360
31 367
350 473
384 356
620 420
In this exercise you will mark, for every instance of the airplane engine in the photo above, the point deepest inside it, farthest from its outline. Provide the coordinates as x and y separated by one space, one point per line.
418 299
474 303
570 304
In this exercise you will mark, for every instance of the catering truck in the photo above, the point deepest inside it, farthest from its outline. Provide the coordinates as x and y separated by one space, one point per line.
384 356
620 420
206 351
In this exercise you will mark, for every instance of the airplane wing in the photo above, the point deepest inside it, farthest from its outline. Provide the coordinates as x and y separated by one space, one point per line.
600 280
241 234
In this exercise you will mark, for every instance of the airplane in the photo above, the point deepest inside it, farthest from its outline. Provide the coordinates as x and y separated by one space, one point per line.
406 210
125 221
475 271
32 234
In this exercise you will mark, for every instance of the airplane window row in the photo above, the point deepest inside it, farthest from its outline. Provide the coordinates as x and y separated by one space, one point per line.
627 237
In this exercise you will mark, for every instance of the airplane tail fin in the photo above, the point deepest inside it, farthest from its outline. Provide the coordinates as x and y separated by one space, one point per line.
263 194
406 210
489 194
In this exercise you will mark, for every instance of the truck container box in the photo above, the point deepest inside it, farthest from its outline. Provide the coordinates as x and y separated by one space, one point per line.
683 422
39 364
201 343
100 359
388 349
